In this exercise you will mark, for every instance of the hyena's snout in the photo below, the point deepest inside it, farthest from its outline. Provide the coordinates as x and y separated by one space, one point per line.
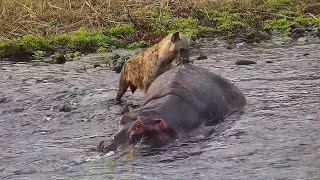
184 56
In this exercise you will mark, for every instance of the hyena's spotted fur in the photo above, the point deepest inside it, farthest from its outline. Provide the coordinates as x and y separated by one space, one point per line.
142 69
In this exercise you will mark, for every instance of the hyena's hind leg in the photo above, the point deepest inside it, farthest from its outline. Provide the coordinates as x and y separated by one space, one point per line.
133 88
123 86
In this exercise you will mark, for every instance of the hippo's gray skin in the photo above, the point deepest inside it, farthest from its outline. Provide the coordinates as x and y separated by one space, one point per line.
178 101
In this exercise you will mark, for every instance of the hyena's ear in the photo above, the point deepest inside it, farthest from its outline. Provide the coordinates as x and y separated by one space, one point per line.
175 36
189 38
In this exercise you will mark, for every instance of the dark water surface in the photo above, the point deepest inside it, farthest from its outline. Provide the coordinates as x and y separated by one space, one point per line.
51 115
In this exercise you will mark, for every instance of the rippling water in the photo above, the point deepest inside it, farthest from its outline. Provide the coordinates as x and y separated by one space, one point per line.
51 115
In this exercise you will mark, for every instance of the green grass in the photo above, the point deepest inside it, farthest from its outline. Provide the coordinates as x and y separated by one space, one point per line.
81 40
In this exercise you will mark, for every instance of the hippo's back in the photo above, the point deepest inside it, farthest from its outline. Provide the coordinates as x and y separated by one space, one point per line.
206 91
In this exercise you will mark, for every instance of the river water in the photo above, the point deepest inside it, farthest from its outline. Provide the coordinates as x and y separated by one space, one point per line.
52 115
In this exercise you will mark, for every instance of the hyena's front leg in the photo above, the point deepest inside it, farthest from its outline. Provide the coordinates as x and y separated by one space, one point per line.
123 86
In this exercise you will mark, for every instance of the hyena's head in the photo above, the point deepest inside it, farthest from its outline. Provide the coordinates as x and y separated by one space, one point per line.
177 45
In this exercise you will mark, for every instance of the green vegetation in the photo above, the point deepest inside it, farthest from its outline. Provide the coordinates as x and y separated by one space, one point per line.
138 44
122 30
81 40
86 28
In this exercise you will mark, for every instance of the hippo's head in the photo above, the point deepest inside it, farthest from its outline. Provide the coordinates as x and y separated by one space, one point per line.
144 128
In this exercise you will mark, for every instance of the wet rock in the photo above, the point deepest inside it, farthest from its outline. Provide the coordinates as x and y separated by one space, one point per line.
24 171
252 37
115 56
303 39
96 65
241 45
239 40
4 100
39 80
295 37
229 46
85 120
269 61
18 110
294 25
118 64
66 108
245 62
296 30
316 32
299 31
202 57
60 60
114 62
309 29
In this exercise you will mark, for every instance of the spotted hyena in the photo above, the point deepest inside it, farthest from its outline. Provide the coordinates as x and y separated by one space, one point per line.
143 68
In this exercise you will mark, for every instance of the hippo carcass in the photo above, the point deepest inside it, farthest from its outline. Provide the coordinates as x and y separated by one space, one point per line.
178 101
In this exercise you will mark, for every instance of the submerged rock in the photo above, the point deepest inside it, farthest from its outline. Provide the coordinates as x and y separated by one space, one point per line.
303 39
96 65
241 45
66 108
3 100
269 61
229 46
245 62
296 30
299 31
295 25
202 57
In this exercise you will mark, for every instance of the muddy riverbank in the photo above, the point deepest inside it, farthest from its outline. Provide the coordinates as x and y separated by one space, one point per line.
51 115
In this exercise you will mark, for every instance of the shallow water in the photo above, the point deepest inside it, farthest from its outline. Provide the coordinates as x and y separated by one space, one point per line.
51 115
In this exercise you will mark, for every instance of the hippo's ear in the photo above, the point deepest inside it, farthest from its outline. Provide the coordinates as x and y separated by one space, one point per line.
157 124
175 36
